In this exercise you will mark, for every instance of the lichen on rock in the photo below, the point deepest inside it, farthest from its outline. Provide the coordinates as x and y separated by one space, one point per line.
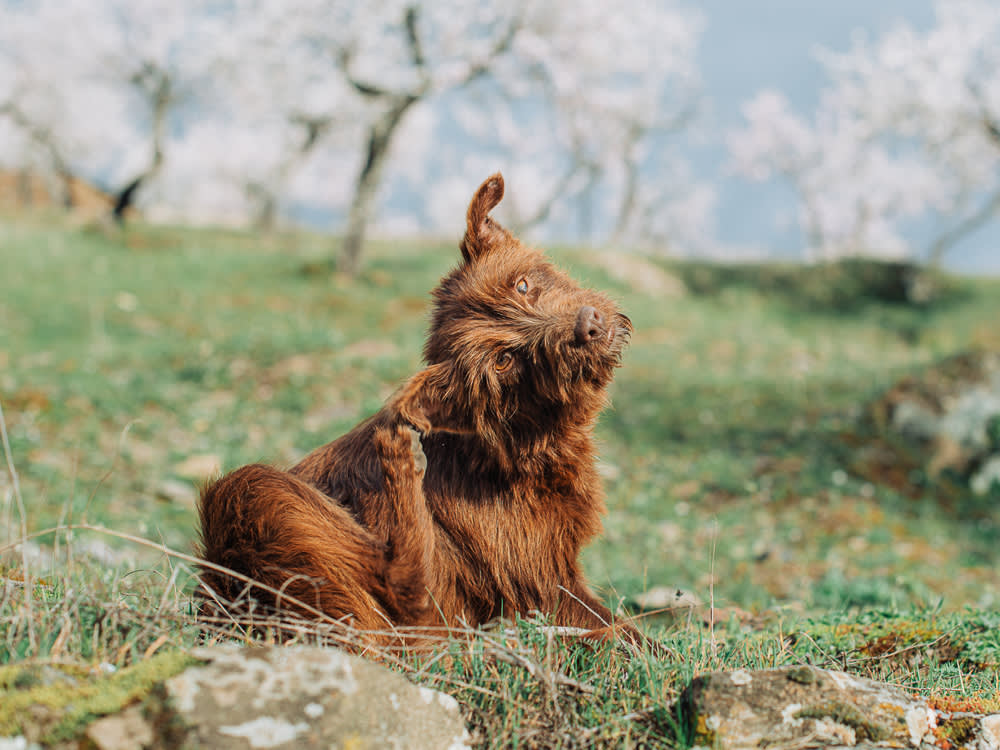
799 707
302 697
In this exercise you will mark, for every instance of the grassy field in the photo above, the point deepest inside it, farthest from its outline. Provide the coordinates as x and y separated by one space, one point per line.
132 366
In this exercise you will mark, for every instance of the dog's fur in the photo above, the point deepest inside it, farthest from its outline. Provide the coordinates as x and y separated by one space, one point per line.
482 516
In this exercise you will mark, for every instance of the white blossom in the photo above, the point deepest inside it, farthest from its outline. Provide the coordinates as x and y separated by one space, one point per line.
907 132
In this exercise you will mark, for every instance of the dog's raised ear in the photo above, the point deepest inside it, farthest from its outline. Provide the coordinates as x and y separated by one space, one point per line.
480 230
424 401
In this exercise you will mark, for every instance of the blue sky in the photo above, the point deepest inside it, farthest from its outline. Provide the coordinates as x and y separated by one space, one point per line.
748 46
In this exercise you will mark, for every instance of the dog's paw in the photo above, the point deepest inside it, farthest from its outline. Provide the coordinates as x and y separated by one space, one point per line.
400 449
417 452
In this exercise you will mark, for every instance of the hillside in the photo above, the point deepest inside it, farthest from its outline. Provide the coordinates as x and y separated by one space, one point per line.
133 366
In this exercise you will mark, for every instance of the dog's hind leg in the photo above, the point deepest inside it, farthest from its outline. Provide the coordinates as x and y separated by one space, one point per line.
282 532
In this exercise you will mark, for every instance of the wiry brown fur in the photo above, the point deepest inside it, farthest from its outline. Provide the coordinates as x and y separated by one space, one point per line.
518 359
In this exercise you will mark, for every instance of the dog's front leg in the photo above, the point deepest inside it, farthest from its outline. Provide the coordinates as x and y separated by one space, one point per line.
399 515
579 608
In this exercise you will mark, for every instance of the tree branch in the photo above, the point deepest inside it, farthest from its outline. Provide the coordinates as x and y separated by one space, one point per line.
416 49
315 128
944 241
992 128
43 137
558 191
417 59
500 46
988 119
365 89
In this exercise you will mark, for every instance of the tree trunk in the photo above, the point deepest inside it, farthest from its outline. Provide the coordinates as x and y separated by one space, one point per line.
266 220
161 95
813 231
265 194
587 204
264 211
66 189
944 242
630 192
367 184
125 198
24 196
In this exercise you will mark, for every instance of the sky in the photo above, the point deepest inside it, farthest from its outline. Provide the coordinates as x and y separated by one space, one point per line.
748 46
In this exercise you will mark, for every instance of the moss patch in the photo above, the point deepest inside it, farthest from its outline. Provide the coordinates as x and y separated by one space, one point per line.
703 735
54 704
960 731
846 714
803 676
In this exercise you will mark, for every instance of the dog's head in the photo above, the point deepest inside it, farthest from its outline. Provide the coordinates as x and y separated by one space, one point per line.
516 347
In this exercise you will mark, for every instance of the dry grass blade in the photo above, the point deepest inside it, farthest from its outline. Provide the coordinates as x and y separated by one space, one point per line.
548 678
16 484
319 614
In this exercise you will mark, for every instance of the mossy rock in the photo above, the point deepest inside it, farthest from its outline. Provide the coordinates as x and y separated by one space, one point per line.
55 703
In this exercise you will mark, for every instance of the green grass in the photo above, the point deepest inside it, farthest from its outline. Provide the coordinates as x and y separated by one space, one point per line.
728 454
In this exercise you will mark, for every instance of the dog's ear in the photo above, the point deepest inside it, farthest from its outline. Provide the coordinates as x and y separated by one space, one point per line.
425 403
480 230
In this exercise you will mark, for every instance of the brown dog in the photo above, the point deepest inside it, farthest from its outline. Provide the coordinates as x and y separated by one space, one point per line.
488 515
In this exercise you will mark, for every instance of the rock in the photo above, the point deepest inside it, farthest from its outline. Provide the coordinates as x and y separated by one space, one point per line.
799 707
915 421
664 598
987 476
991 731
128 730
302 697
947 418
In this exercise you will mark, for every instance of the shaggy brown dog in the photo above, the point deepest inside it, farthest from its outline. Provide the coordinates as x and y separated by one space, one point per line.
486 514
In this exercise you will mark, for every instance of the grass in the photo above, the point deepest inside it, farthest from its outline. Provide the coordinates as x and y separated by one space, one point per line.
131 365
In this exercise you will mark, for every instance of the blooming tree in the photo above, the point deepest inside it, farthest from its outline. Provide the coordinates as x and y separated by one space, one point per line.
852 190
582 111
265 108
101 86
568 98
30 138
906 135
281 112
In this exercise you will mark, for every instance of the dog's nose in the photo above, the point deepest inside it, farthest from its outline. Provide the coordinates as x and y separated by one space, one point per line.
589 324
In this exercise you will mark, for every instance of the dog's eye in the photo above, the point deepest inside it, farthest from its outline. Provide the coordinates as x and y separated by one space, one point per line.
522 285
504 361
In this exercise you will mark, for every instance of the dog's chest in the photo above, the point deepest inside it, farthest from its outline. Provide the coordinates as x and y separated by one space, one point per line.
514 532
